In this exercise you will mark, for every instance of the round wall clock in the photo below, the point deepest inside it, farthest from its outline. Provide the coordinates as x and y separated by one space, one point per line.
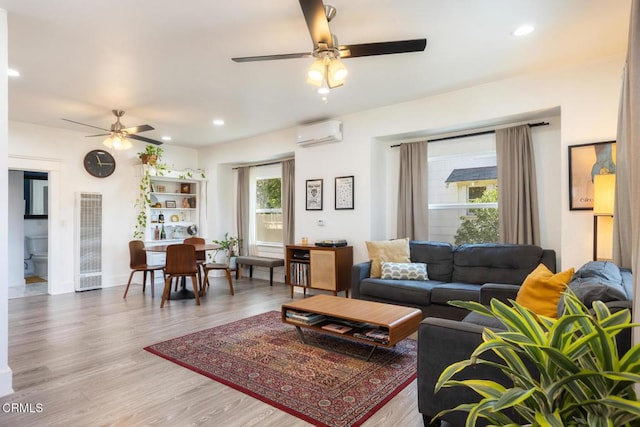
99 163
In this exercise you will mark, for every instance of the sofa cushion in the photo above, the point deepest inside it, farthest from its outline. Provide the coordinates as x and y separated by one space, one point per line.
404 270
437 255
442 294
486 321
494 263
387 250
597 281
541 290
411 292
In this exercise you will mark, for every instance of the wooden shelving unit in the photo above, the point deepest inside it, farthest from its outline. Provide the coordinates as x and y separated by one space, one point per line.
314 267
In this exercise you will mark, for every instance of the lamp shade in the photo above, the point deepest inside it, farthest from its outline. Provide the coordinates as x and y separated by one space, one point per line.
604 194
315 75
337 73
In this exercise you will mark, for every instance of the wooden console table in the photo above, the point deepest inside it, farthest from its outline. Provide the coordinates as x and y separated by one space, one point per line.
315 267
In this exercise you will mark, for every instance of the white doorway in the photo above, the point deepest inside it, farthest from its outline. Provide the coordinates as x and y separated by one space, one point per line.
18 229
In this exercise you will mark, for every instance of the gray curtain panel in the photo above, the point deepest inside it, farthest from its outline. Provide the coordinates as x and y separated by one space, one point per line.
626 219
413 205
288 202
519 220
242 210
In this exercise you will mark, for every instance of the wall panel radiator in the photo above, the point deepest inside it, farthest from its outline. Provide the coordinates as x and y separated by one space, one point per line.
88 241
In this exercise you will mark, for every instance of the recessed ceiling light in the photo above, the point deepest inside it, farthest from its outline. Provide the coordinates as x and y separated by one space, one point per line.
218 122
166 138
13 73
523 30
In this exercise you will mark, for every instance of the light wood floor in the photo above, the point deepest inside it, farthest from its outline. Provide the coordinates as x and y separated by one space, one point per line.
81 357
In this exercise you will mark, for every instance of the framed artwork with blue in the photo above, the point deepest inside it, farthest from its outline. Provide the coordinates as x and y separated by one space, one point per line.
585 162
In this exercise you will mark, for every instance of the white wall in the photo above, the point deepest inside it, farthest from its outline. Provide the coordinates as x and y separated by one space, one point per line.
5 371
586 97
15 231
34 147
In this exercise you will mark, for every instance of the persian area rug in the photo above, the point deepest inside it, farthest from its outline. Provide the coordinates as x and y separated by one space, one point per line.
265 358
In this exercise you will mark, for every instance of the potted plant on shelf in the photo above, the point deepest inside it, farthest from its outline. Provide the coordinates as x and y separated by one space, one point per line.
230 246
582 379
151 154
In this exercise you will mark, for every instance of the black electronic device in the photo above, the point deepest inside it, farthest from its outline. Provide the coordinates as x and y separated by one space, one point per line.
331 243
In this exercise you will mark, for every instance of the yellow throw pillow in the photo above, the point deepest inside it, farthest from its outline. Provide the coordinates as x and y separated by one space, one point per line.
389 251
541 290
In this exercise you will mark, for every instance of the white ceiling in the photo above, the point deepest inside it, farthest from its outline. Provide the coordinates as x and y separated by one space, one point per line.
167 63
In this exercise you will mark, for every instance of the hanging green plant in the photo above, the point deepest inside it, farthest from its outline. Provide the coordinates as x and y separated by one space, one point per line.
143 201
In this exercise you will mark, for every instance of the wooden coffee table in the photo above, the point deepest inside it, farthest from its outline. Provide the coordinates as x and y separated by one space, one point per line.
363 319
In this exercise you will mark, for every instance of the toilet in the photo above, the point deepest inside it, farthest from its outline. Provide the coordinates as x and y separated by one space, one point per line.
38 247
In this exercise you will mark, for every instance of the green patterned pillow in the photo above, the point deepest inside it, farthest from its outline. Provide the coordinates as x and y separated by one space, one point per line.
404 270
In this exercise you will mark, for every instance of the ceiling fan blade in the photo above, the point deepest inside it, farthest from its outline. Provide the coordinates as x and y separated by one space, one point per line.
83 124
270 57
382 48
136 129
99 134
142 138
317 22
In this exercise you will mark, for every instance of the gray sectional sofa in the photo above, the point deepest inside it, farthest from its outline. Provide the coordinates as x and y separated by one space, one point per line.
466 272
456 340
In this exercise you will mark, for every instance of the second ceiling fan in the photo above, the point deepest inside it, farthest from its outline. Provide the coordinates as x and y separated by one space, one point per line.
327 71
118 134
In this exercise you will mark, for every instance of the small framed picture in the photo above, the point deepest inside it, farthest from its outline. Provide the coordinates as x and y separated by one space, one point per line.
161 188
185 188
314 195
585 162
170 204
344 192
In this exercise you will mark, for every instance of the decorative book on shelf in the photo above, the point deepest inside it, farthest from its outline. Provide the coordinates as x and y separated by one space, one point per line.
334 327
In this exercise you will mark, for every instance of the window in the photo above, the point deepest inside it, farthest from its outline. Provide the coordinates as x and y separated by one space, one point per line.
462 190
266 205
475 193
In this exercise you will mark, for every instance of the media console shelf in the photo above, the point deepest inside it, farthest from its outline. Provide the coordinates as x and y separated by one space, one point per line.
315 267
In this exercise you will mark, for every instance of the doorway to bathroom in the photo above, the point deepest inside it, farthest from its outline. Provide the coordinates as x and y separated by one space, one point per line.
29 231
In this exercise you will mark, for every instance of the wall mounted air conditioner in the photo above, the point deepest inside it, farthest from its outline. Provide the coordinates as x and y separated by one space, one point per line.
321 132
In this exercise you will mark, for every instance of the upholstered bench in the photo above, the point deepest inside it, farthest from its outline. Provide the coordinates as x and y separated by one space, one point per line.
259 261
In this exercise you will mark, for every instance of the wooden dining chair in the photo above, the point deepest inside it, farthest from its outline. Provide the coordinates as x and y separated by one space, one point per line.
217 266
180 263
138 262
201 257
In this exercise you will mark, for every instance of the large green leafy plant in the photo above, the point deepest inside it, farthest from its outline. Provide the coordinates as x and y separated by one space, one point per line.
581 379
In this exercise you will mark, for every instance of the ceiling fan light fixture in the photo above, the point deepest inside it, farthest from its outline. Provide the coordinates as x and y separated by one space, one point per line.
323 90
337 73
117 141
315 74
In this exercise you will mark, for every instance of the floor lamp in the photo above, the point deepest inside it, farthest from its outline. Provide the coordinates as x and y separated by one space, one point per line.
603 198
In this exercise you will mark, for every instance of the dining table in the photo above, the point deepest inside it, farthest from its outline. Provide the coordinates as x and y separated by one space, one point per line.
183 293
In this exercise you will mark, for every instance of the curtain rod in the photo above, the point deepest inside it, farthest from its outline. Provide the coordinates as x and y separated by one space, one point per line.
485 132
275 162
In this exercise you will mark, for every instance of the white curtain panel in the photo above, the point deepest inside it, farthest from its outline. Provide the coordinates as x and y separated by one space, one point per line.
627 207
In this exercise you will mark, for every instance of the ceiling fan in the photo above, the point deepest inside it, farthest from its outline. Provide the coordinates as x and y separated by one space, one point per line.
328 71
118 134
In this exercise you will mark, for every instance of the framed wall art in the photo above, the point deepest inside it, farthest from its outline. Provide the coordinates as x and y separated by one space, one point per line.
314 195
585 162
170 204
344 192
